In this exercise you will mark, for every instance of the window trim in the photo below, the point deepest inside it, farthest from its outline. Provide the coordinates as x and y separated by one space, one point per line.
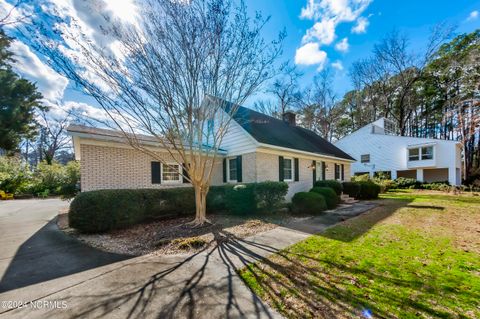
229 180
292 169
421 152
180 176
410 156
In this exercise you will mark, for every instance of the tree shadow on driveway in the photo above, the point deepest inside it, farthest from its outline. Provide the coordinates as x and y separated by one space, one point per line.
50 254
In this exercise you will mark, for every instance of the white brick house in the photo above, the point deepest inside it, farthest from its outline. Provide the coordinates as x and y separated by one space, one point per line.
378 149
255 148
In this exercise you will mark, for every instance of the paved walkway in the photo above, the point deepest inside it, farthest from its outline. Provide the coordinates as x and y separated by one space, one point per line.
204 285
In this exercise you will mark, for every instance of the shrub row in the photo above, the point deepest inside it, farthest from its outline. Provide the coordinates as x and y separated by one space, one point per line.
333 184
103 210
361 190
331 198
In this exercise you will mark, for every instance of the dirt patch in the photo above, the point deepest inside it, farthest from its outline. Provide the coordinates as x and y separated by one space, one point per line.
173 236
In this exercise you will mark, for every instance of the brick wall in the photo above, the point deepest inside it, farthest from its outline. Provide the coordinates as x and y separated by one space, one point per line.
105 167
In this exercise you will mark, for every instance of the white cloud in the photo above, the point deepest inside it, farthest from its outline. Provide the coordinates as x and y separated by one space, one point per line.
473 15
337 65
327 15
310 54
51 84
323 32
342 45
361 26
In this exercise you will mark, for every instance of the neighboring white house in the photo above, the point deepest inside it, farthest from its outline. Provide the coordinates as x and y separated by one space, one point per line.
378 149
255 148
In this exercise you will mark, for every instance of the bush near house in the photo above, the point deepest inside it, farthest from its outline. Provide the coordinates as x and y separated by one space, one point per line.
329 194
308 203
333 184
361 190
103 210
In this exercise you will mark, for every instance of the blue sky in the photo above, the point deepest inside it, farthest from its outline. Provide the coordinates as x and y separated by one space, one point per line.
321 33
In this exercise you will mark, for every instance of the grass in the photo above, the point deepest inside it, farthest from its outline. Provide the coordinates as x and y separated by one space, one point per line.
415 256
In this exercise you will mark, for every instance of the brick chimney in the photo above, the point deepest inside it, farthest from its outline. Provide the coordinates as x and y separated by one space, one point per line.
290 118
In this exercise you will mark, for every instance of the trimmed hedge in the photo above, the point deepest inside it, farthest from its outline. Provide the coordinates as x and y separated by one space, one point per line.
103 210
361 190
403 182
329 194
308 203
333 184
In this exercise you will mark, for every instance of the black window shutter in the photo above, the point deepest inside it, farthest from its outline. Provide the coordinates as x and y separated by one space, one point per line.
314 171
224 170
280 168
185 173
239 168
324 170
156 178
297 177
337 172
343 172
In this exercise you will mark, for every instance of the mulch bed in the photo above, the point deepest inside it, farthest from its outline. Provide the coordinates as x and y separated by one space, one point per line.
173 236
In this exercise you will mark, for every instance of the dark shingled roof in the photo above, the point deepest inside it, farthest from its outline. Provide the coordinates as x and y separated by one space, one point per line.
268 130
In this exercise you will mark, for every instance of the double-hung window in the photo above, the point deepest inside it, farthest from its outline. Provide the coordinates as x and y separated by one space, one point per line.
171 173
288 169
232 170
413 154
427 153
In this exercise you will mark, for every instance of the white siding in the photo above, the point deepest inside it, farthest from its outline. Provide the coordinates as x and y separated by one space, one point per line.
236 140
390 153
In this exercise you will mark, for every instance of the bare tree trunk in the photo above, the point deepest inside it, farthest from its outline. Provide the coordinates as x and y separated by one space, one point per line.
201 192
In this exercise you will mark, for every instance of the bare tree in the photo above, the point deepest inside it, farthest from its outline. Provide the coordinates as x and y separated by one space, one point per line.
171 77
53 137
286 89
319 107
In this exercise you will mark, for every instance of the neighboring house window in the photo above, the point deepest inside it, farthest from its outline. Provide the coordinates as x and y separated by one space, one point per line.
171 173
427 153
365 158
288 169
337 171
413 154
232 169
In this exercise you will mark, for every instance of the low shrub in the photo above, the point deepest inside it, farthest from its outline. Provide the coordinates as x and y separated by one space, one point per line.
308 203
437 186
270 195
361 178
333 184
329 194
385 184
403 182
352 189
240 199
368 190
361 190
103 210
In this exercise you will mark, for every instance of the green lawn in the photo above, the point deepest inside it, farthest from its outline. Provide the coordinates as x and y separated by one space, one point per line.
415 256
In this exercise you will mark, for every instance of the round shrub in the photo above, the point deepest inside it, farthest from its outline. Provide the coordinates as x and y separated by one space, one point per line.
333 184
369 190
329 194
308 203
240 199
352 189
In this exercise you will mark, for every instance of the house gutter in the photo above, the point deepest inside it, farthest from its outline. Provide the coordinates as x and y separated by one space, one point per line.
286 149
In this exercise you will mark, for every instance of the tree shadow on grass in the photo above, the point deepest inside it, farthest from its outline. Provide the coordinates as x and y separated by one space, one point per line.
205 285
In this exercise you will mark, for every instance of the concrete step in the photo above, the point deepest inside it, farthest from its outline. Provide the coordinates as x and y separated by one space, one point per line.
347 199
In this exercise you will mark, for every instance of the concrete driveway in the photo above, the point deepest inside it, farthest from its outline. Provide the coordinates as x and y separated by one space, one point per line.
53 276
